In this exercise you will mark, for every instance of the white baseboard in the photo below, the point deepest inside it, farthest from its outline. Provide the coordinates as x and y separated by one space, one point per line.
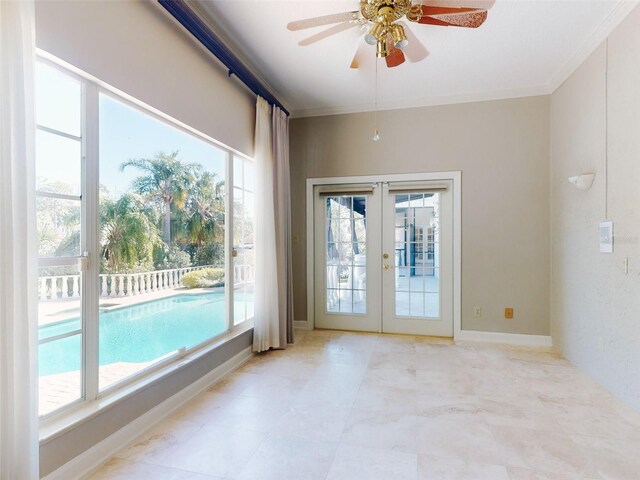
301 324
504 338
93 458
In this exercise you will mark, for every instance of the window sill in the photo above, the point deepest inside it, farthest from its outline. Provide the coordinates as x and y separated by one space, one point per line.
51 428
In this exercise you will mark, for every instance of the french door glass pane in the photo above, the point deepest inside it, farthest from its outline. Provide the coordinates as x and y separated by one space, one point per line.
58 100
59 225
58 164
346 256
59 373
59 295
243 241
417 255
162 231
60 336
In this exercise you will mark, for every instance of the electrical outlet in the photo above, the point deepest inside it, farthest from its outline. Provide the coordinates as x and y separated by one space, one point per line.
508 313
477 312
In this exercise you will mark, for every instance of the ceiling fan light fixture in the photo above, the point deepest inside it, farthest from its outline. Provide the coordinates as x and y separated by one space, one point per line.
374 34
399 36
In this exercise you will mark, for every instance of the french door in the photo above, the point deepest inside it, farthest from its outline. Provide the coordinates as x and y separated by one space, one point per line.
62 206
346 219
384 257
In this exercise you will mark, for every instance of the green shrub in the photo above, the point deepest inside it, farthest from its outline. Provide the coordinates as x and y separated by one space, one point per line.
165 258
207 277
209 254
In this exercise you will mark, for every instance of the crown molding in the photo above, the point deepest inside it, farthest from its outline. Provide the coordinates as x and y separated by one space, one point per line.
599 35
424 102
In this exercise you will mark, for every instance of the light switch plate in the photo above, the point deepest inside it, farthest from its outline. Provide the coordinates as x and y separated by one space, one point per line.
606 237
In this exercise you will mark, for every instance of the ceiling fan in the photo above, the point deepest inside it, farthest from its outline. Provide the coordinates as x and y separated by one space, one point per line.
393 38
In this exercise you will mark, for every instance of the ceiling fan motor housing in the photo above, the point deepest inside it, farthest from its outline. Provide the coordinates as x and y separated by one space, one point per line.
382 13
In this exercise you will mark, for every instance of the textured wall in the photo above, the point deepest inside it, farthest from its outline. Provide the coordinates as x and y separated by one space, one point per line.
502 149
595 305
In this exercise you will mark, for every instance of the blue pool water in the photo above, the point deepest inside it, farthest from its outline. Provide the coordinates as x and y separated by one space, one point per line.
139 333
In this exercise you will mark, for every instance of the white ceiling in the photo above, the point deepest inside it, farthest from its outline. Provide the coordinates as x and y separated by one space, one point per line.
524 48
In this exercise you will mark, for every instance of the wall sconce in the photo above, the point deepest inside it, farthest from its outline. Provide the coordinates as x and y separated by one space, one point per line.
584 181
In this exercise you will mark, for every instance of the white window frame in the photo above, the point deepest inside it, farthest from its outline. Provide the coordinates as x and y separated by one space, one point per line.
92 88
234 250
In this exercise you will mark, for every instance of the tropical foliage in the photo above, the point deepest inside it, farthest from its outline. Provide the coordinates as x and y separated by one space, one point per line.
172 216
207 277
166 181
129 233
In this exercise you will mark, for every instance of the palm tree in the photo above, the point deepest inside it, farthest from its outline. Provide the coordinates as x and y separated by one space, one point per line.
166 180
204 212
128 232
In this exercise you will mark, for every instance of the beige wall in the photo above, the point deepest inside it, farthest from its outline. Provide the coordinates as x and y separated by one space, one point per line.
595 305
502 149
133 46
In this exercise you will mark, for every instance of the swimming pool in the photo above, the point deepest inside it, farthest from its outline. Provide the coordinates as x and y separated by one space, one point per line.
138 333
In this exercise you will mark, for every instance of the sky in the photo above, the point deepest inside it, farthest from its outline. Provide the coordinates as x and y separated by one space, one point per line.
126 133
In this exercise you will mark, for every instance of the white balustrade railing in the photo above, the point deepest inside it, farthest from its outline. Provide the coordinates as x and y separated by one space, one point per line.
128 284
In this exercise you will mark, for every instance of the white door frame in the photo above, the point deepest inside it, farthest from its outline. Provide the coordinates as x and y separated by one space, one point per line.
456 179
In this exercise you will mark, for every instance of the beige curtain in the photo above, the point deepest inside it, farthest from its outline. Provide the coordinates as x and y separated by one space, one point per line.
18 246
266 330
273 318
280 144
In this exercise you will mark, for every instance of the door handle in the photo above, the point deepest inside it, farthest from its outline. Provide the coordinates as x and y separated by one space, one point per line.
387 267
83 262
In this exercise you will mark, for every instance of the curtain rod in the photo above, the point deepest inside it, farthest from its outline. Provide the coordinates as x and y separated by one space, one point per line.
192 22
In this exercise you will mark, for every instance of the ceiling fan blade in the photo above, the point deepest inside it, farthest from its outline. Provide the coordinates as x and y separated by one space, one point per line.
415 51
466 20
323 20
326 33
473 4
359 55
429 10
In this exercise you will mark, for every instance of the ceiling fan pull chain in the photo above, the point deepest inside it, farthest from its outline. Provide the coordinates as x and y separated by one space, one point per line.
376 133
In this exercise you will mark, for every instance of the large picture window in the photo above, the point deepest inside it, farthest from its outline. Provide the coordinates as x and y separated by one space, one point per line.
139 262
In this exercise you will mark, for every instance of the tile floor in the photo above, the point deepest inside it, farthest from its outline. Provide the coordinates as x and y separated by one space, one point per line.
346 406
